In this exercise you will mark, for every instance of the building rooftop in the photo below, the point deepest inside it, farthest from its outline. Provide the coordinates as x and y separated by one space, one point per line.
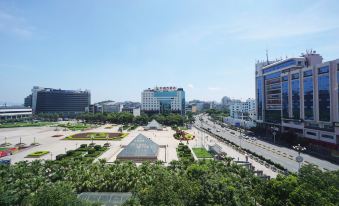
13 107
165 89
105 198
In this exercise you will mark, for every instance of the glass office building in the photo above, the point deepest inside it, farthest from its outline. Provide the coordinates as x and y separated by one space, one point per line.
300 95
66 102
163 100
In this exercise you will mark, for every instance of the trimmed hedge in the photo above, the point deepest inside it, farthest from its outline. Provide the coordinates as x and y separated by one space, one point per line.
277 165
38 154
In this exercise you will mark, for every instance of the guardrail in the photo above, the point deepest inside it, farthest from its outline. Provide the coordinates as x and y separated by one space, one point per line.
256 157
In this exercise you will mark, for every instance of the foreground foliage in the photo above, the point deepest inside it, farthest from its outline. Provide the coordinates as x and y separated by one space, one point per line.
181 183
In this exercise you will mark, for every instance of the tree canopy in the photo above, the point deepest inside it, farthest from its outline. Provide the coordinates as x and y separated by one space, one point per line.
181 183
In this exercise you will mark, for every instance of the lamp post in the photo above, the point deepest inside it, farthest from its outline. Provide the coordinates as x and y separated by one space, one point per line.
92 138
299 158
275 129
166 153
240 138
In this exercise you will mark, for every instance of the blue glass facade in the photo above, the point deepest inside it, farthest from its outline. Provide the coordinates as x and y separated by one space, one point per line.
296 96
165 94
324 95
260 97
280 66
308 96
338 84
284 93
273 98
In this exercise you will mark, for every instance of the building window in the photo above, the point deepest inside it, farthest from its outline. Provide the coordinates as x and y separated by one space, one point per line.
308 99
284 94
311 133
323 70
327 136
295 76
324 97
308 73
296 98
280 66
260 97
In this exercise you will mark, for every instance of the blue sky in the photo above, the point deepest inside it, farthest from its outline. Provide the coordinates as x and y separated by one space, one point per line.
118 48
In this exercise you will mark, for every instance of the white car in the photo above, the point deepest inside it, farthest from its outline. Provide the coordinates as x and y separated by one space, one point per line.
218 130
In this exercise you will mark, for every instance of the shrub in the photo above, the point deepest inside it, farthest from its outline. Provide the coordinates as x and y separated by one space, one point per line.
83 145
70 152
91 151
60 156
97 147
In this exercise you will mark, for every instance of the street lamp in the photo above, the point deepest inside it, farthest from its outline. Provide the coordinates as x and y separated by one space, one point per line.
275 129
240 138
299 158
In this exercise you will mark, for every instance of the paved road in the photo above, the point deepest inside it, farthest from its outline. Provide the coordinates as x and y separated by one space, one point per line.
202 141
282 155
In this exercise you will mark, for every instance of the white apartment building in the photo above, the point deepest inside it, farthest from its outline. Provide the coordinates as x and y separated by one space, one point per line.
163 100
243 110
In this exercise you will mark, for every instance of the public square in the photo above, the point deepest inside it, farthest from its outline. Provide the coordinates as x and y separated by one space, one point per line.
56 145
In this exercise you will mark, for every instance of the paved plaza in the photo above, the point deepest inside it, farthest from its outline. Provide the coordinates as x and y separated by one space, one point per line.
43 135
56 145
164 138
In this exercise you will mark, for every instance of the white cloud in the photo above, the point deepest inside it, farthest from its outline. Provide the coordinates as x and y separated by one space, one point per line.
214 88
251 26
191 86
11 24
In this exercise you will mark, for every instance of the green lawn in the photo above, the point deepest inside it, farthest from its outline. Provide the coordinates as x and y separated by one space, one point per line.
202 153
183 128
77 126
25 124
97 136
189 136
37 154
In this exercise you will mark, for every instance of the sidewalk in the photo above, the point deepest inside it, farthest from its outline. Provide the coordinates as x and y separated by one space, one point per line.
235 154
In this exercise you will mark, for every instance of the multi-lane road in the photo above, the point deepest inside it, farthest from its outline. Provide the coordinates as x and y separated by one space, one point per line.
282 155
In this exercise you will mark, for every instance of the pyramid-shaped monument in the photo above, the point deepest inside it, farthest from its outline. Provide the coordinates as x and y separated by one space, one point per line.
140 149
153 125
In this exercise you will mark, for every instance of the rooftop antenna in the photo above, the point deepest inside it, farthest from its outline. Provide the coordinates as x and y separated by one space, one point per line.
267 57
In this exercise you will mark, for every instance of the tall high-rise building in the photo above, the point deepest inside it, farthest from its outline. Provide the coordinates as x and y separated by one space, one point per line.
163 100
300 95
67 102
28 101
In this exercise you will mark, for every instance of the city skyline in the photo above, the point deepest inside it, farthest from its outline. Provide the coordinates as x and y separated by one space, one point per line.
116 49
